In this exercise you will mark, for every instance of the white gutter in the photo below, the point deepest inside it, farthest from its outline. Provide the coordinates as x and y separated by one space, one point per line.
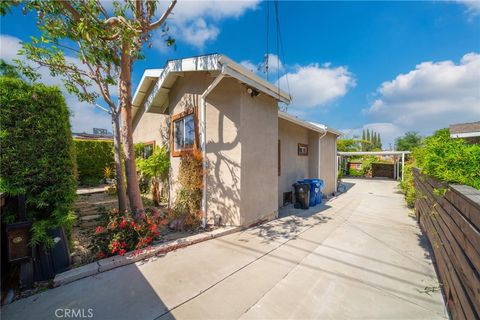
239 72
203 142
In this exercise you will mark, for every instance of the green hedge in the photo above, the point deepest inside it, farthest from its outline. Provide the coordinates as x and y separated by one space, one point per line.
37 155
92 157
449 160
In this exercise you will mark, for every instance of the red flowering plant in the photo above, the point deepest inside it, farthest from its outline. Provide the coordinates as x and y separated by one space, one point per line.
121 232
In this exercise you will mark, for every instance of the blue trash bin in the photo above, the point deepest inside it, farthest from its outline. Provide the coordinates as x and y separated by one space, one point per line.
320 194
316 187
314 191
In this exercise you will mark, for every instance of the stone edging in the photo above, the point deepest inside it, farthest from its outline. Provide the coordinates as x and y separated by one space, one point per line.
130 257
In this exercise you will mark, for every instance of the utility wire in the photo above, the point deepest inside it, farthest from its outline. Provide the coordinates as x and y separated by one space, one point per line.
268 31
280 52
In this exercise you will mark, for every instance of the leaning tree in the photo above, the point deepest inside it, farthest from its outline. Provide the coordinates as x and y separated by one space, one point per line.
94 49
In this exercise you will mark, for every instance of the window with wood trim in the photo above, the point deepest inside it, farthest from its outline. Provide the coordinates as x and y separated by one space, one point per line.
183 132
147 149
302 149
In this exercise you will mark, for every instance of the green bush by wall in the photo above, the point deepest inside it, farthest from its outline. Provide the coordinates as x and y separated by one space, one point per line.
449 160
37 154
92 157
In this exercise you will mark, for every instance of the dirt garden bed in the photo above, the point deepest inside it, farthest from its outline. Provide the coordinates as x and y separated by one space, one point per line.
90 208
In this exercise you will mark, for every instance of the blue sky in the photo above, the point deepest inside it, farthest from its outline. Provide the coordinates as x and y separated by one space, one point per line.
389 66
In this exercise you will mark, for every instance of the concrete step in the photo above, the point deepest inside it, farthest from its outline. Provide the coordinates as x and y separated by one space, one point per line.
89 224
105 203
90 217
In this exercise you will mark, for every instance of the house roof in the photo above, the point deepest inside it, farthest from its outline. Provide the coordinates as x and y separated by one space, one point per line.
318 127
152 91
90 136
465 130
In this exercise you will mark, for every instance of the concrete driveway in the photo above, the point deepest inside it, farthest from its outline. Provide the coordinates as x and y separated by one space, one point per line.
358 256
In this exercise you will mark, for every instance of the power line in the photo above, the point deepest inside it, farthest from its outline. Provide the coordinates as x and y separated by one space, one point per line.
280 52
268 29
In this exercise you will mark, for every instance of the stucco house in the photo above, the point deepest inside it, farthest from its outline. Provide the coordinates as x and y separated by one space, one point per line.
253 151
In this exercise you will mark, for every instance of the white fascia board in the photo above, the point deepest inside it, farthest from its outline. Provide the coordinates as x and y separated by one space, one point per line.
331 130
295 120
212 62
255 81
372 153
465 135
252 83
148 73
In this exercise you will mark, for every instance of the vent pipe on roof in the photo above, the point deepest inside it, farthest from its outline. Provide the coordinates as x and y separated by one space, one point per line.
203 118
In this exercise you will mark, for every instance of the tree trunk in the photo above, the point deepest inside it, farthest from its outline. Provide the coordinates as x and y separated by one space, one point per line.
119 176
133 189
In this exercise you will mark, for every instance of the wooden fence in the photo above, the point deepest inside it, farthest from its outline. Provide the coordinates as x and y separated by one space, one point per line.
450 217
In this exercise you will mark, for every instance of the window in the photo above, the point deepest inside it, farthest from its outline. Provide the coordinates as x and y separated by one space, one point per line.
183 133
302 149
144 149
148 149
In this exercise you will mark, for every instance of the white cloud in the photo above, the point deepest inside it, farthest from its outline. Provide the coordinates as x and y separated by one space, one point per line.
317 85
249 65
9 47
473 6
430 97
83 116
198 32
274 65
196 22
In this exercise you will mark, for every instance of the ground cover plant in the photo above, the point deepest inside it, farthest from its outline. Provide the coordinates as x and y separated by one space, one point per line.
122 232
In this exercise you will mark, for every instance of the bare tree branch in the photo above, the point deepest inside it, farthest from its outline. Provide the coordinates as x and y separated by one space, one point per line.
162 19
66 4
102 9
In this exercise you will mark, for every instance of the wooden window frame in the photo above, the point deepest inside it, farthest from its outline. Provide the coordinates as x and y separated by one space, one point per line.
176 117
148 143
302 145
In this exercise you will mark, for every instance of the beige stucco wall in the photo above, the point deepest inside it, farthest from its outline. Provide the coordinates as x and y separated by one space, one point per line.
184 94
259 175
293 167
224 152
241 133
328 158
150 127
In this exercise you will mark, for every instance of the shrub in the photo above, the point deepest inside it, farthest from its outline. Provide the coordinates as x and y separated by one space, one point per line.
37 157
407 185
355 173
123 231
154 170
92 159
186 210
449 160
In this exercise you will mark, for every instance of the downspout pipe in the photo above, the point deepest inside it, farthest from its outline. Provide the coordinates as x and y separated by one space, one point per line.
203 141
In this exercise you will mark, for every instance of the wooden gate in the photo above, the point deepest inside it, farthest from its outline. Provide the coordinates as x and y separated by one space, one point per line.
385 170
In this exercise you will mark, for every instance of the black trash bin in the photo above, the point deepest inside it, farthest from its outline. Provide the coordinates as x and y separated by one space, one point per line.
49 262
302 195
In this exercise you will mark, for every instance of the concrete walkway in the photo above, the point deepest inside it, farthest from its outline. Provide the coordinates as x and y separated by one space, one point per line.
358 256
